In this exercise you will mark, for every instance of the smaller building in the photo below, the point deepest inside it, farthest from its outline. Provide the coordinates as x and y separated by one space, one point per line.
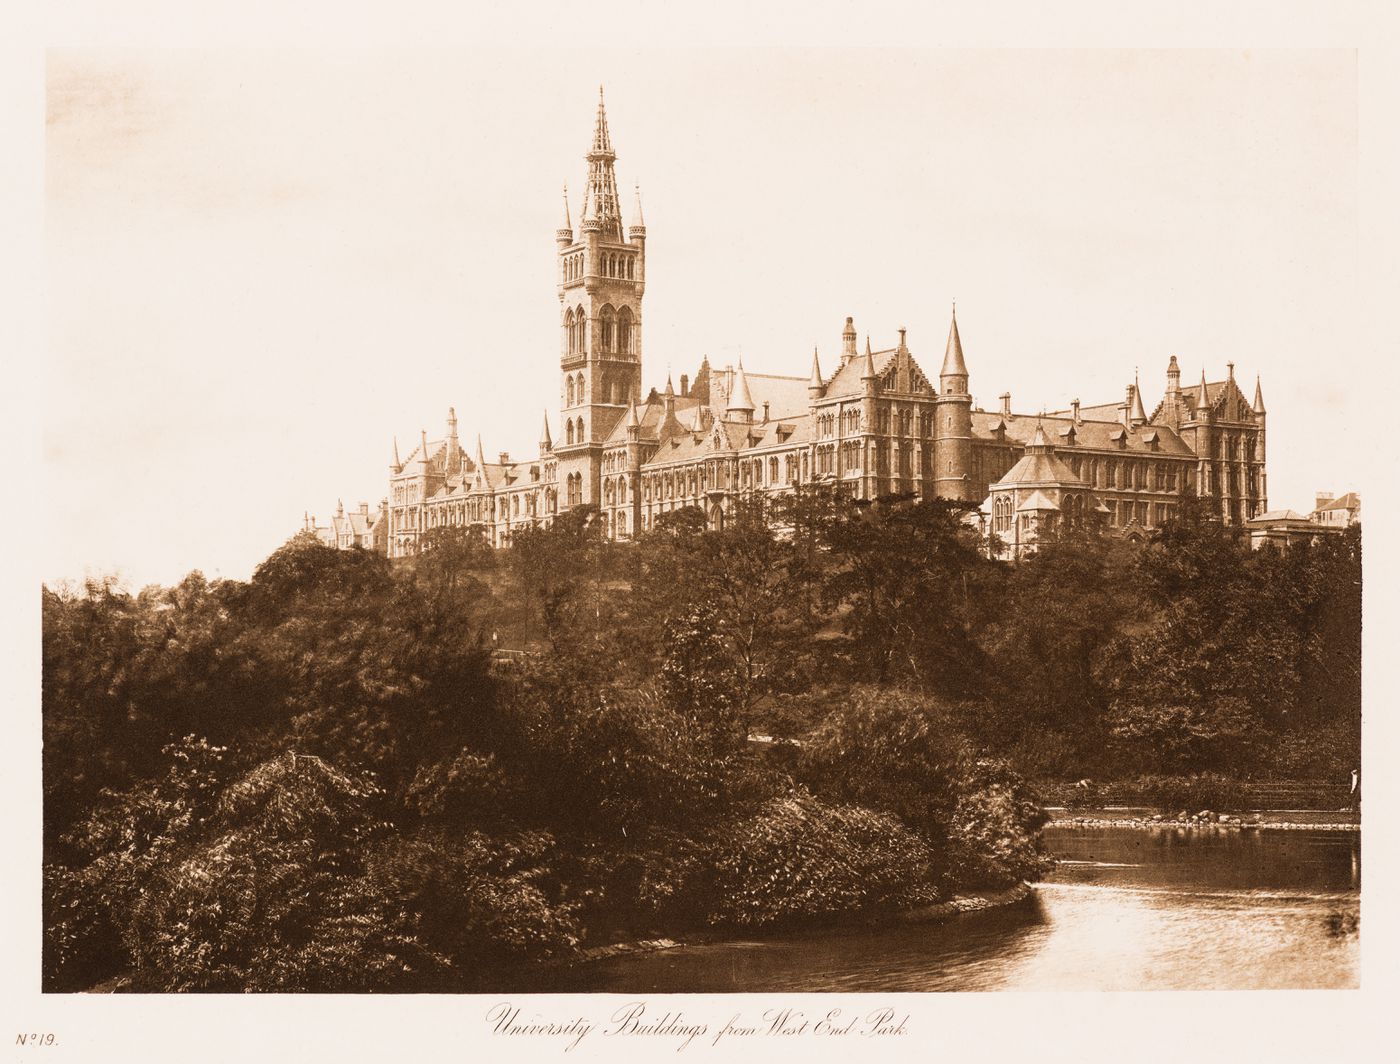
358 528
1286 528
1341 512
1037 495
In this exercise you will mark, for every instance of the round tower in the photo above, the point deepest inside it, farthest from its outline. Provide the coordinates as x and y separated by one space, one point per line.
952 434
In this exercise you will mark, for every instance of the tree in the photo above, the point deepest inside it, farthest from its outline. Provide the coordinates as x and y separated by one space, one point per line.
904 571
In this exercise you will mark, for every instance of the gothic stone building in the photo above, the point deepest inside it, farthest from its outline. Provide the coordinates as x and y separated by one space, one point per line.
870 423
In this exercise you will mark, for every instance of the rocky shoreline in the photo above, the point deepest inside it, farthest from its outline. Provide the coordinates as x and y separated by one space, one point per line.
1209 820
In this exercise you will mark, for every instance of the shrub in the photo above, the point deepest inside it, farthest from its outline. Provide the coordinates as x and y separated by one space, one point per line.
994 840
798 859
1223 733
1205 790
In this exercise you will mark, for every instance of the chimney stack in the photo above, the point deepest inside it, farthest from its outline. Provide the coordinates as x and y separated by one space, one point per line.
685 385
505 458
1005 404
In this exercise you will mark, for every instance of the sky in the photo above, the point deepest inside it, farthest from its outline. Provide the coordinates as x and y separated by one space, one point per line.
263 266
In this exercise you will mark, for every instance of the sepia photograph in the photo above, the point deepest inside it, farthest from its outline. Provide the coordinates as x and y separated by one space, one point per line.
590 525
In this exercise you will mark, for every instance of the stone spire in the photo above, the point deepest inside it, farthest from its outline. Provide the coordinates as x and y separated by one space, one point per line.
1139 416
868 373
740 399
638 220
816 385
953 364
398 465
546 441
1258 396
565 234
634 424
600 203
1203 397
423 446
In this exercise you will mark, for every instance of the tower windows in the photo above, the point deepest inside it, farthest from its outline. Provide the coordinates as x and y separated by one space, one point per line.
607 334
624 331
569 392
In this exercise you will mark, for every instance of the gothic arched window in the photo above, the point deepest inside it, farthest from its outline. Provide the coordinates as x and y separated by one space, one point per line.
607 334
569 429
581 330
569 392
624 331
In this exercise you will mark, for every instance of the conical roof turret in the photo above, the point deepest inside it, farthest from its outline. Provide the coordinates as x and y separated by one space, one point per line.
816 384
632 420
1203 397
953 364
546 441
1258 396
740 398
1139 416
868 372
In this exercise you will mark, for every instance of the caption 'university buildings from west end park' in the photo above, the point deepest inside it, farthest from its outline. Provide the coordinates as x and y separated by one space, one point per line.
871 422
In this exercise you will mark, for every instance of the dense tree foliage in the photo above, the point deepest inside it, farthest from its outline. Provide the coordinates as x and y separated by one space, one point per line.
347 774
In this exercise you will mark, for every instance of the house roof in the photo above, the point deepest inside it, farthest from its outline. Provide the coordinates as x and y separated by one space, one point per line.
1350 501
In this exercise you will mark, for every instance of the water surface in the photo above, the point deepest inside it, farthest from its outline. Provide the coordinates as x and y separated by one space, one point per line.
1124 909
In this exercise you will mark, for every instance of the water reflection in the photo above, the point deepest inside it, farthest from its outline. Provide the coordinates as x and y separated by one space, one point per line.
1124 910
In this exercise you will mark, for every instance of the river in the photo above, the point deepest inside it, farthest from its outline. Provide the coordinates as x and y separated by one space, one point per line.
1124 909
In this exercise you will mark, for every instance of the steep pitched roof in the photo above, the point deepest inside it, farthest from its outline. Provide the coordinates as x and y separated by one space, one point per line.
1094 435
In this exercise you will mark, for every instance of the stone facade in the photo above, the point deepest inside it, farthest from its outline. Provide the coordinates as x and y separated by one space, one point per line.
871 423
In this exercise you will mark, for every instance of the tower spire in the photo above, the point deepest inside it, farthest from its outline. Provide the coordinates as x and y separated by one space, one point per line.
1139 417
600 204
1258 396
546 442
816 385
953 364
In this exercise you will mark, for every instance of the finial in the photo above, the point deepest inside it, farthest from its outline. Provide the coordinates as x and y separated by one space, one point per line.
1231 367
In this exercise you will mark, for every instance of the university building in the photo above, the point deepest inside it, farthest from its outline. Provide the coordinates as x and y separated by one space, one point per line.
870 422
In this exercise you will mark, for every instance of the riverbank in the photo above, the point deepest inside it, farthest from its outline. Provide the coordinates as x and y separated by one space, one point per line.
960 905
1246 820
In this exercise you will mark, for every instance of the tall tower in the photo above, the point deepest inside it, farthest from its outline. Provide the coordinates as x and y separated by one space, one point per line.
602 274
952 434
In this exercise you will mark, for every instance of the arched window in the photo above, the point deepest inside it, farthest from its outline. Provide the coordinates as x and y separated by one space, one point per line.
578 432
607 335
569 392
579 391
581 329
569 429
569 335
624 331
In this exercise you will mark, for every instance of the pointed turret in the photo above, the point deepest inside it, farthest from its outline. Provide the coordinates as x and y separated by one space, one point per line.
480 457
953 364
867 372
397 465
816 386
740 406
423 446
1203 398
633 424
565 233
1039 444
1139 416
1258 396
546 441
848 341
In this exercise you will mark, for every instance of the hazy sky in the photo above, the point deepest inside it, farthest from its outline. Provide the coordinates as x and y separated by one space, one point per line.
263 266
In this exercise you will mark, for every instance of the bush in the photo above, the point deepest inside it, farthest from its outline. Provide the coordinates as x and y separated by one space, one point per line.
1204 790
799 859
994 838
1223 733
